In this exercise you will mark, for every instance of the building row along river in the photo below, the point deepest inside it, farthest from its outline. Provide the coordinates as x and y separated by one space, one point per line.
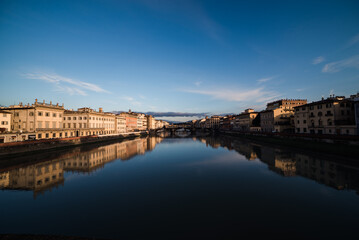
333 115
47 121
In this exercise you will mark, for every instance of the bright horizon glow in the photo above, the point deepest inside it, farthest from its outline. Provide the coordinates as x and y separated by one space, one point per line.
177 56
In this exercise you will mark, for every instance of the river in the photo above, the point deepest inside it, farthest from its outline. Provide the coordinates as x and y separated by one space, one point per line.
211 187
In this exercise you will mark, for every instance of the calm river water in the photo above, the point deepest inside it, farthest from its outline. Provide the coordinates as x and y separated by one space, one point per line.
180 187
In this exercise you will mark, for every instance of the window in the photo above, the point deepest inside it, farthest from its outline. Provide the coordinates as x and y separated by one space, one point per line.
74 118
31 114
64 118
54 135
68 118
16 114
69 125
320 114
304 121
60 115
74 125
47 114
80 118
319 106
54 115
47 135
60 134
304 130
65 134
39 113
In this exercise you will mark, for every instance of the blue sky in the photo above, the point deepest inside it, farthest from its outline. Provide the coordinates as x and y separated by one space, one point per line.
182 56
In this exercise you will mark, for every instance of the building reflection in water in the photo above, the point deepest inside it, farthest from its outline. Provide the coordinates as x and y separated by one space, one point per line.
287 163
45 175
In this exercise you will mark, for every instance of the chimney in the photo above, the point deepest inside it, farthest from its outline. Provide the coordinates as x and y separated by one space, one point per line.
100 109
35 100
50 102
57 104
43 101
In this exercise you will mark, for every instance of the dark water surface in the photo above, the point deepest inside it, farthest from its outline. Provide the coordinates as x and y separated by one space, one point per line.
187 188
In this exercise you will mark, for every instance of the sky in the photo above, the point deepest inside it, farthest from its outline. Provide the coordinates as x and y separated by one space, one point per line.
211 57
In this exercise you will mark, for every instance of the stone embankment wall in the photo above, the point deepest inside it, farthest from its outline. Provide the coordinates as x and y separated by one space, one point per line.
327 138
340 145
18 148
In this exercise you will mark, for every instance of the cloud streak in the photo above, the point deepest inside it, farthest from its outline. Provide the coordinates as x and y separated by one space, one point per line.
318 60
256 95
65 84
333 67
132 101
262 80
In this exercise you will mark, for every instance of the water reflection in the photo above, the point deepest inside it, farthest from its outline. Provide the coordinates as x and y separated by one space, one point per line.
47 174
339 175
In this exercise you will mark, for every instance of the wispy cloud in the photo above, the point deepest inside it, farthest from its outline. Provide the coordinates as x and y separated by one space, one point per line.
256 95
132 101
128 98
333 67
70 90
318 60
65 84
198 83
262 80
